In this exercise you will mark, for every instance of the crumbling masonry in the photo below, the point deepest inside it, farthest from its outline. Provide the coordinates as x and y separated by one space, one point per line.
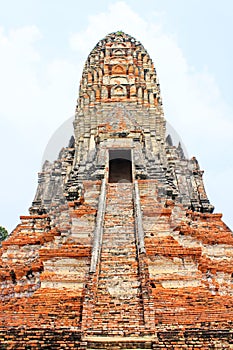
121 248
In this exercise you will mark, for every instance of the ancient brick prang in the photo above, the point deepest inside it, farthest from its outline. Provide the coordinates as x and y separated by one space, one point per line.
121 248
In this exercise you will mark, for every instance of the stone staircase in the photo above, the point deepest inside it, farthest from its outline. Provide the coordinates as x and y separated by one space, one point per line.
118 308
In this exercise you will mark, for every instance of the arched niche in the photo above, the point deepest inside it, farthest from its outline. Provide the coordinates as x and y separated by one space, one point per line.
118 52
118 91
118 70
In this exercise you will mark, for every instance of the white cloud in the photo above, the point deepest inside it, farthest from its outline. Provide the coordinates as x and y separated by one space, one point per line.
18 77
31 88
118 17
36 97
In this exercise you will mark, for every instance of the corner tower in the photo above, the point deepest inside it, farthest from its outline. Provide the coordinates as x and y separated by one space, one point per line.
121 248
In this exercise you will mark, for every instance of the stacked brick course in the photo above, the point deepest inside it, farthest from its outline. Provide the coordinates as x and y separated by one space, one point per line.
118 304
131 258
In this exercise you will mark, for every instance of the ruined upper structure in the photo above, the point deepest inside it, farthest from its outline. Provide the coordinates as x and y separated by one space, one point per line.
121 248
119 107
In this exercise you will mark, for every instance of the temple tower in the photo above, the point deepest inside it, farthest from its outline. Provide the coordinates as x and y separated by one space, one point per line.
121 249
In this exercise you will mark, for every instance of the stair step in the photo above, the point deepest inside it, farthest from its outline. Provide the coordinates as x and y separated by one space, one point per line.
117 305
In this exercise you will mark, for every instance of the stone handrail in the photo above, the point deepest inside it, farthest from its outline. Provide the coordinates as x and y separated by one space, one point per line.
98 233
138 220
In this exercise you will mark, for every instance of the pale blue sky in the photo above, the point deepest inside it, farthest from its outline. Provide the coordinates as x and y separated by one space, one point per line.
43 46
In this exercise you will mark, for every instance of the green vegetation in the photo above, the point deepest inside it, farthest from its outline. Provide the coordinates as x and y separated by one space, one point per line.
3 233
119 32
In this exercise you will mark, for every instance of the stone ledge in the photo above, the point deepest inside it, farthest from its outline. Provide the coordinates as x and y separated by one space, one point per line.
111 339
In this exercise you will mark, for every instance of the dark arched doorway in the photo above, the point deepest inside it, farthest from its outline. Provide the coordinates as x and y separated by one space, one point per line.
120 165
120 170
